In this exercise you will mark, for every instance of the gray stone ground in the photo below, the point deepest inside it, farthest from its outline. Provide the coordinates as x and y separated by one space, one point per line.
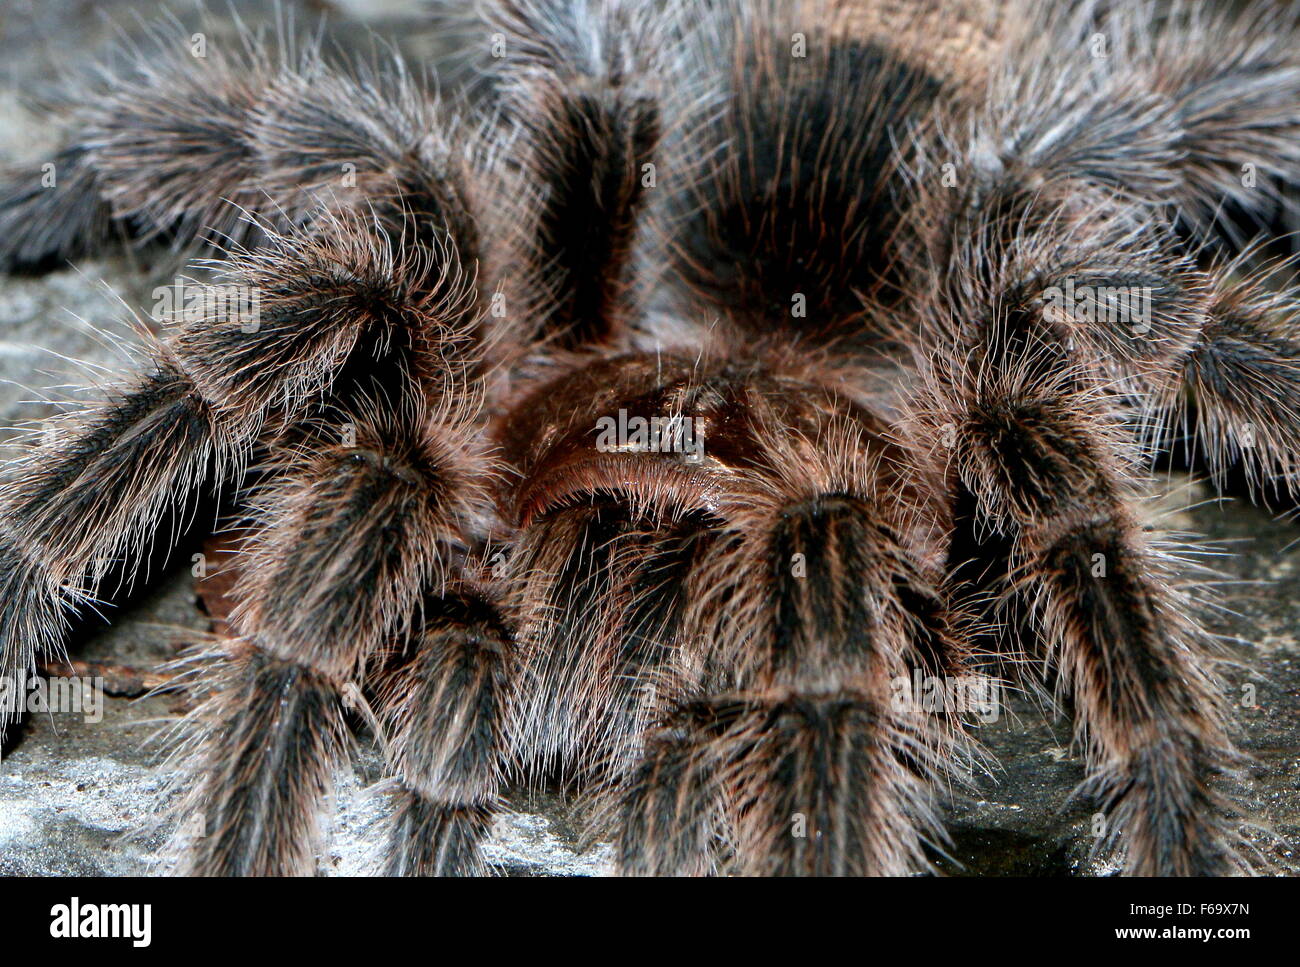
71 792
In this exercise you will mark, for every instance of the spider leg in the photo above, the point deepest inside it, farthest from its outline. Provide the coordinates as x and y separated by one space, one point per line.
672 818
219 149
600 601
1051 472
1053 198
378 495
805 783
1185 105
75 503
353 533
1233 78
1039 399
583 88
792 599
1239 391
606 539
94 491
444 701
817 608
1056 176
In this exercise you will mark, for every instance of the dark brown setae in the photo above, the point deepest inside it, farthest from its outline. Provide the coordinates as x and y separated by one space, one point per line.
741 365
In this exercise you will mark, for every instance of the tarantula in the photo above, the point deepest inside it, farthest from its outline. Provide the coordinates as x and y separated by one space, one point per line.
647 419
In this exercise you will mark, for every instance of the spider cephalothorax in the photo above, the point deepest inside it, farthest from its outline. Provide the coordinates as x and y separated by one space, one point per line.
651 416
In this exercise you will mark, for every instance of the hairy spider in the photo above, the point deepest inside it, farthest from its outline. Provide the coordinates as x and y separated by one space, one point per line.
649 417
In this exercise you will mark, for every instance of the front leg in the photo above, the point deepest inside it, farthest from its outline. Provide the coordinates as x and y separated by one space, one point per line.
353 534
444 699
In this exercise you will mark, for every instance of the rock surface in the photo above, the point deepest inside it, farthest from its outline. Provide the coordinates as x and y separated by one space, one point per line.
72 791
